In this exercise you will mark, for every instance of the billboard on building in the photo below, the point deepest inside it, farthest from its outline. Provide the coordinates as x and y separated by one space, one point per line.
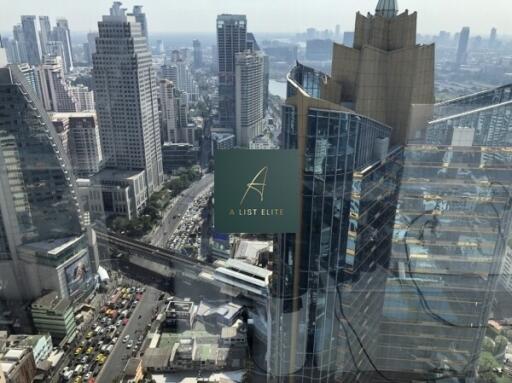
79 274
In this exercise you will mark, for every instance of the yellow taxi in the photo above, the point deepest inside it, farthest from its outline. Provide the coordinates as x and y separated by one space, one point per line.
90 350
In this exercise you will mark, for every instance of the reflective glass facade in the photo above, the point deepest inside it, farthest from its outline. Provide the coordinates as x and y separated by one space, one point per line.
347 176
449 236
39 195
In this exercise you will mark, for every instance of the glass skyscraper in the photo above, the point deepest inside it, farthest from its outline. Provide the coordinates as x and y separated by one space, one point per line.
38 196
449 238
349 190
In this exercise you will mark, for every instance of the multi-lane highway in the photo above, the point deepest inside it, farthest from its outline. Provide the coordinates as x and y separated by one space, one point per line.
172 216
136 326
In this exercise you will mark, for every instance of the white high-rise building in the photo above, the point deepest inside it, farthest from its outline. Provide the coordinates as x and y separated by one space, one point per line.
126 98
84 98
83 141
168 104
249 84
56 93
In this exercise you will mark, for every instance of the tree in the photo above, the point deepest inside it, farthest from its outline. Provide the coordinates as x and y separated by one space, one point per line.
488 345
507 333
500 345
486 367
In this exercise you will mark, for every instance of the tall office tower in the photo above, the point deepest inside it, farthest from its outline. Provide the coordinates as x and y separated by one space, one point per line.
56 92
11 49
40 214
249 80
84 98
61 33
31 40
330 276
126 97
449 241
55 48
493 38
186 82
385 73
169 115
83 142
231 39
462 49
160 47
337 33
91 43
3 54
19 39
174 106
140 17
169 72
252 45
45 33
332 272
198 54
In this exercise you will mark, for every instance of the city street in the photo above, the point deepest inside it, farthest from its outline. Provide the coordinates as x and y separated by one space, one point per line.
136 326
173 215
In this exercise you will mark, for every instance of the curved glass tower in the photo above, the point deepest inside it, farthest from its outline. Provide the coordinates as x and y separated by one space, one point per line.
327 271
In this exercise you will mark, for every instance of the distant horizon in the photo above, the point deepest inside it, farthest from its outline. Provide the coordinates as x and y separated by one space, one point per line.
282 16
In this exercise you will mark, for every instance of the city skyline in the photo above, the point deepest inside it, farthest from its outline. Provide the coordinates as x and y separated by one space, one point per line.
83 17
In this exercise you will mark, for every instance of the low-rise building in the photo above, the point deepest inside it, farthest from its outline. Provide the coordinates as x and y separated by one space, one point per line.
63 265
223 315
262 142
117 193
40 344
222 141
179 155
133 371
180 314
54 315
18 365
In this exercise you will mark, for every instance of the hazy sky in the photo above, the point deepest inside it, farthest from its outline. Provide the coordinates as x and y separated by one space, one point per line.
268 15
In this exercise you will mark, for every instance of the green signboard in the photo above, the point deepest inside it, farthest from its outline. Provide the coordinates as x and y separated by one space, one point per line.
256 191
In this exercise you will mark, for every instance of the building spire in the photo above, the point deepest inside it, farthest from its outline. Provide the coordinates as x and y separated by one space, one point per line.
387 8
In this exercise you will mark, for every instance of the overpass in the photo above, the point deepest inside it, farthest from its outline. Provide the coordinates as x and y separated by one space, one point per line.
171 264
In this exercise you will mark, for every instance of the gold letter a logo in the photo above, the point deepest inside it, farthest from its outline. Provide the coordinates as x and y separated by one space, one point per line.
257 184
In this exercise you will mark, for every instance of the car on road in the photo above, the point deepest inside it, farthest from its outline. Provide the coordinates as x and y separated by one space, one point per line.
126 338
78 379
125 321
129 344
99 357
78 369
102 359
78 351
114 340
88 376
90 350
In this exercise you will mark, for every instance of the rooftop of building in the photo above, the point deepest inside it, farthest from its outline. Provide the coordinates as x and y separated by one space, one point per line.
52 246
250 250
180 305
64 115
132 366
23 341
116 175
218 136
52 301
